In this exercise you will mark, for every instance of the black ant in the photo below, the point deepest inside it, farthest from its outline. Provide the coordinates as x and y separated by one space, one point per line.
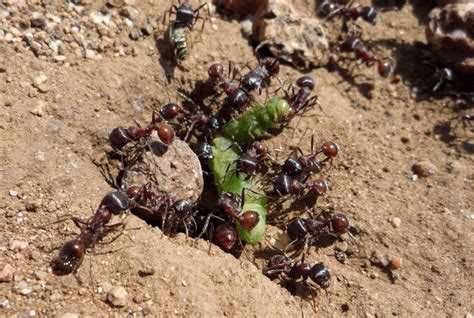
72 253
306 232
355 45
289 271
297 165
119 137
286 185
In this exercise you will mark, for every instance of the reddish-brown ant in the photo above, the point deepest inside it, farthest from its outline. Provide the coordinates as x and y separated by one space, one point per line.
306 232
355 45
288 270
286 185
298 165
329 9
93 230
231 204
120 136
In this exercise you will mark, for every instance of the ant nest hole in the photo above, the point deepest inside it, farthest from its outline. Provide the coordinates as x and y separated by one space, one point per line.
174 169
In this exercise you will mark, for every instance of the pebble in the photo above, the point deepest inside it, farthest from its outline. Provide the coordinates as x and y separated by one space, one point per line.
39 79
4 303
17 245
424 168
117 296
135 34
13 193
246 28
68 315
40 275
6 275
39 108
23 288
396 222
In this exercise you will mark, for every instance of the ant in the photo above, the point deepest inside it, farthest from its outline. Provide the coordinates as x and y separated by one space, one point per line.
329 9
296 165
289 271
305 232
252 160
72 253
174 215
119 137
286 185
355 45
232 204
205 124
238 96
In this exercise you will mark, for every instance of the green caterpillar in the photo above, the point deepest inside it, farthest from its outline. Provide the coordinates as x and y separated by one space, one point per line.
253 124
258 121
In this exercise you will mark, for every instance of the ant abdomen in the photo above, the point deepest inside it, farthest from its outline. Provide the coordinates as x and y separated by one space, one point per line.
330 149
119 137
320 275
339 223
166 133
225 237
115 202
305 81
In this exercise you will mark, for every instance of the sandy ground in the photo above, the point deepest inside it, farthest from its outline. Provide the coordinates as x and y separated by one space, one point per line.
46 168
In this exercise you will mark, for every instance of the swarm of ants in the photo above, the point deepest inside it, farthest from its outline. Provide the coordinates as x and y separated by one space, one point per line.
206 109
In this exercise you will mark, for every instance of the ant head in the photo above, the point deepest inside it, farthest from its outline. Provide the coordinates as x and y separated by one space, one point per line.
339 223
249 219
70 257
165 133
225 237
216 71
320 275
321 186
305 81
330 149
271 64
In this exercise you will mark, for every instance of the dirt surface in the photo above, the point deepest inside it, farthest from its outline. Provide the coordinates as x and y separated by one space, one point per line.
52 129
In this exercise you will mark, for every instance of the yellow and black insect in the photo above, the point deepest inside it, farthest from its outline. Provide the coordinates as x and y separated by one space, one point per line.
178 38
186 18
